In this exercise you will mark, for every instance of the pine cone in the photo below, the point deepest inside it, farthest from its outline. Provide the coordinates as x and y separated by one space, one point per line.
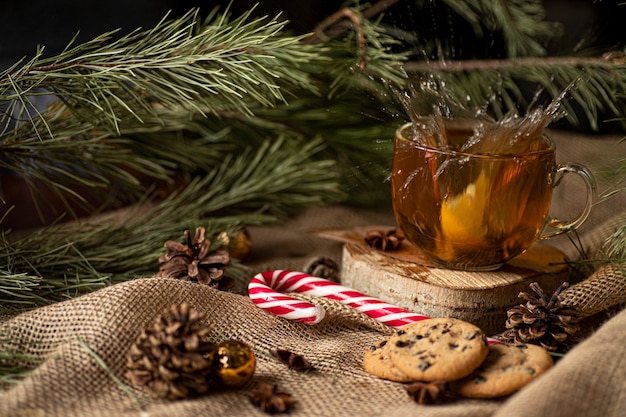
323 267
171 359
194 261
541 321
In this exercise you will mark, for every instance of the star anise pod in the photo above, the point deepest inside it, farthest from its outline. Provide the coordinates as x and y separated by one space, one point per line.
541 320
385 241
292 360
194 261
426 392
269 399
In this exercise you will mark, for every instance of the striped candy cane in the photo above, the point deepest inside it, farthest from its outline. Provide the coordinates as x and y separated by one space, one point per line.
265 291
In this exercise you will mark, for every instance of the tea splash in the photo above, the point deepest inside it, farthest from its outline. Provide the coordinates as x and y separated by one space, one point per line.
430 107
473 192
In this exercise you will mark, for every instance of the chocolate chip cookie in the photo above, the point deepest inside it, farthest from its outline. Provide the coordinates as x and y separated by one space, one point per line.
438 349
377 362
507 368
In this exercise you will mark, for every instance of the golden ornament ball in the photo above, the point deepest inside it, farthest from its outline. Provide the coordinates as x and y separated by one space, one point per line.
238 245
234 363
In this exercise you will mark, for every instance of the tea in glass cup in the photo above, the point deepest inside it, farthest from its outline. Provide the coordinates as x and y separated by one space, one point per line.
475 211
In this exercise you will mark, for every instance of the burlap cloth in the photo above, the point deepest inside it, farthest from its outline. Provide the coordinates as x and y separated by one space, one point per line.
67 379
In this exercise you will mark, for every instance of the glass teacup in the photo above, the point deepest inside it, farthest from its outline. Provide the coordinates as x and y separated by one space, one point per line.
477 211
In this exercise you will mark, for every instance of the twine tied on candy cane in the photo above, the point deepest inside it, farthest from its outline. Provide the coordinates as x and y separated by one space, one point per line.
267 289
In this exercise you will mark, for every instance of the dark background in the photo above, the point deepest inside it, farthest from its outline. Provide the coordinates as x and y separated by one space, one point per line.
28 23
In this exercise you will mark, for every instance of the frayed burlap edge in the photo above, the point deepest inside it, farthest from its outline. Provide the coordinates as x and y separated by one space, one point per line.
604 289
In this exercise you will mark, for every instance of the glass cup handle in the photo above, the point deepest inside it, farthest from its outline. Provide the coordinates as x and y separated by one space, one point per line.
590 183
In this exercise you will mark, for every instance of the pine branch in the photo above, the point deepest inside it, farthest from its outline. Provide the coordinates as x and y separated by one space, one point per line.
614 247
75 160
521 22
184 145
375 58
256 187
120 93
177 64
607 60
360 141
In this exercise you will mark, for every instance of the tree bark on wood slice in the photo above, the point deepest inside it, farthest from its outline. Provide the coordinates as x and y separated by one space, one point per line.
482 298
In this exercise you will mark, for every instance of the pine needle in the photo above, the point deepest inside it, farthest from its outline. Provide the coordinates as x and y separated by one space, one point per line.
15 364
115 379
522 23
11 371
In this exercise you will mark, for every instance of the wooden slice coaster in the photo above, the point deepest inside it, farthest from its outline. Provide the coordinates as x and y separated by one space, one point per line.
404 278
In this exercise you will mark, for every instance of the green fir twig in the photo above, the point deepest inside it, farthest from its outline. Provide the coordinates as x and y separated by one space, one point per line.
257 187
181 63
114 377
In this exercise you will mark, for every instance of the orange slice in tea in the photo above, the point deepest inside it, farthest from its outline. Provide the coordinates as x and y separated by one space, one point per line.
462 216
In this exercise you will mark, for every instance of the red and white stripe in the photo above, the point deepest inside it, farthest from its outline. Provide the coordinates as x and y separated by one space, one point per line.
267 290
